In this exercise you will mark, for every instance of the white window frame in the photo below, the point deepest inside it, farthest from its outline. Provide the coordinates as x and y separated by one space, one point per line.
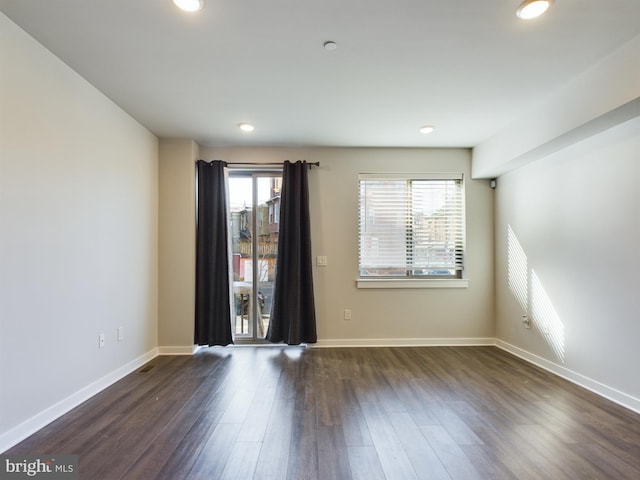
412 281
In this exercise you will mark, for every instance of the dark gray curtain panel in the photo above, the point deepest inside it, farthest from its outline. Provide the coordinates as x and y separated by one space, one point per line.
213 289
293 315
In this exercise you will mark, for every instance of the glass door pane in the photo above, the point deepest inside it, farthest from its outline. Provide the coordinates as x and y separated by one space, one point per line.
268 220
255 214
241 205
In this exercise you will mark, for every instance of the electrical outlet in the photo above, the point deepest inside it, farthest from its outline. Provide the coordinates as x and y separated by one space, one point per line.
101 340
347 314
321 261
526 321
120 334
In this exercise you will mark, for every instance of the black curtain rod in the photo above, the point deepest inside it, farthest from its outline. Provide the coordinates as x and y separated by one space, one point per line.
311 164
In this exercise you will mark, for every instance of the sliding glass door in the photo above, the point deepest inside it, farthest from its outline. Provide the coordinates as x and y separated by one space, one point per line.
255 216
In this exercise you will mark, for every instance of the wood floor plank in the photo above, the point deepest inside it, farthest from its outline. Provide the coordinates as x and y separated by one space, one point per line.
365 463
393 458
99 414
487 463
550 453
242 461
564 423
303 454
354 425
418 404
455 426
618 438
425 462
274 453
165 461
145 423
513 454
327 404
608 464
214 455
254 423
181 426
450 454
333 457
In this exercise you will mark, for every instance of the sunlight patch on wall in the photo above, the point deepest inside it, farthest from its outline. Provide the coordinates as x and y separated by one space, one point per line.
527 289
517 270
546 318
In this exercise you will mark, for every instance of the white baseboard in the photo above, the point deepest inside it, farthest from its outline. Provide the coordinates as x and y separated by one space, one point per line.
403 342
183 350
40 420
621 398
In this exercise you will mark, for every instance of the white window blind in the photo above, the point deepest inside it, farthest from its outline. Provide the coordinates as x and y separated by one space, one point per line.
411 225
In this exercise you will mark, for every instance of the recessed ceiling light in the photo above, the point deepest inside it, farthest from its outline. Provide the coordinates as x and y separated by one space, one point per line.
427 129
189 5
532 8
246 127
330 45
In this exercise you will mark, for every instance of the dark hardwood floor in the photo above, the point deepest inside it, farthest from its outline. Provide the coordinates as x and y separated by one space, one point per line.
345 413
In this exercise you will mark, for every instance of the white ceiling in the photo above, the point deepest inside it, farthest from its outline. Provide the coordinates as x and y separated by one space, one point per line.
469 67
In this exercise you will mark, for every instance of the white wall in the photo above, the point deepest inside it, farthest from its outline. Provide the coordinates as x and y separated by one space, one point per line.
78 244
386 316
575 216
605 95
177 240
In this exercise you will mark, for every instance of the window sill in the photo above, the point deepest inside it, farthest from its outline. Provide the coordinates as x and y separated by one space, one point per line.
412 283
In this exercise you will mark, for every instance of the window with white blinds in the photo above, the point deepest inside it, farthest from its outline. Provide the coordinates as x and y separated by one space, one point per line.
411 226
